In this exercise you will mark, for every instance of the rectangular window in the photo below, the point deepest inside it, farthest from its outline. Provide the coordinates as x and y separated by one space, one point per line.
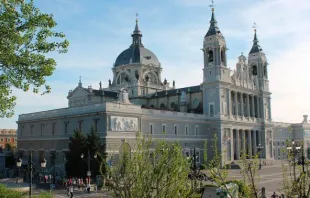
211 110
151 129
196 130
31 129
96 121
22 131
80 125
164 128
66 127
42 128
186 130
187 153
1 139
175 130
53 128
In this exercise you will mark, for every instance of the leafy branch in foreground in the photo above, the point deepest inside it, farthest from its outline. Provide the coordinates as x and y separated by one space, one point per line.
153 169
26 38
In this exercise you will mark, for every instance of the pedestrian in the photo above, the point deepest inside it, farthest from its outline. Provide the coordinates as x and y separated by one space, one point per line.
71 191
88 187
274 195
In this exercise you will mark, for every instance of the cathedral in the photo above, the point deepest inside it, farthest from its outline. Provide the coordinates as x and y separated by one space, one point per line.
233 105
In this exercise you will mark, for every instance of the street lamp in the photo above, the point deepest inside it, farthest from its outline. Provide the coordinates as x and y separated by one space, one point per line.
294 150
88 163
259 148
30 173
195 173
18 164
43 165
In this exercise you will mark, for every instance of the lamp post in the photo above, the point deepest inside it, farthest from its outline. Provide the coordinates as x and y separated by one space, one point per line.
18 164
195 173
259 148
43 165
294 150
30 173
88 163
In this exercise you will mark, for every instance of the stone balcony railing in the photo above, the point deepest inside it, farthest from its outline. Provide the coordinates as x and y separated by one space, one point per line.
63 112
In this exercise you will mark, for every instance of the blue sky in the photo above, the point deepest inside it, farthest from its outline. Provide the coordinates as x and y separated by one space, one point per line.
99 30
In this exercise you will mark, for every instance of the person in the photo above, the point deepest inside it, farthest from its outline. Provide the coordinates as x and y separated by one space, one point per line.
88 187
71 191
274 195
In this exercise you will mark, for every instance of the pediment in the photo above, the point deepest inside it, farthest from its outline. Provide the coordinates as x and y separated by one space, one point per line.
78 92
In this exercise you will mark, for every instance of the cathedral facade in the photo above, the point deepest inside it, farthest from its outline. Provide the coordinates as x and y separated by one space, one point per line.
233 105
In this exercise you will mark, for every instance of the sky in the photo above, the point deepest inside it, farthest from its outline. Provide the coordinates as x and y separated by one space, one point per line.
99 30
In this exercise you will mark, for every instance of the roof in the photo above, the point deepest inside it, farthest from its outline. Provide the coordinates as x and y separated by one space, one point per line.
106 93
213 29
136 54
173 92
256 47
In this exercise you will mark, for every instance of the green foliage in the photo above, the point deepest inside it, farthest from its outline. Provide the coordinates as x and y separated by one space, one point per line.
296 177
44 195
77 146
8 147
80 144
249 172
202 167
154 169
26 37
9 193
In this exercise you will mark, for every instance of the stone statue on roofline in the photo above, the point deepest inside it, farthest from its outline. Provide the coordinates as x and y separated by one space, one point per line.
124 96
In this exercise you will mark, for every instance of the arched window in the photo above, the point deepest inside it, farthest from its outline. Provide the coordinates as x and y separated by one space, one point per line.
162 106
210 56
254 70
265 72
223 56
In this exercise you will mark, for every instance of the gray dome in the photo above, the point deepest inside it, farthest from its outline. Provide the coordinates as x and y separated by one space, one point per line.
136 54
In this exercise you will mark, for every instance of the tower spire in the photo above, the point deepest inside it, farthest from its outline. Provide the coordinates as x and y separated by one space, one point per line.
213 29
80 82
136 35
256 47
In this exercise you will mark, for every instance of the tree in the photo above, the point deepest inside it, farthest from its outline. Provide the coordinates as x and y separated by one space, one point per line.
154 169
8 147
296 174
75 166
95 146
79 144
26 37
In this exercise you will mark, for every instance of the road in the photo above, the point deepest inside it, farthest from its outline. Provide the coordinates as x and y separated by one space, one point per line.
76 193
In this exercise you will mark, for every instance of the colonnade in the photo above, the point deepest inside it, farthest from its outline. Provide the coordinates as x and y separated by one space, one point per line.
247 142
246 105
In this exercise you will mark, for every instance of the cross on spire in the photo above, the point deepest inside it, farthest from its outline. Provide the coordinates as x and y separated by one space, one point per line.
137 17
254 27
212 5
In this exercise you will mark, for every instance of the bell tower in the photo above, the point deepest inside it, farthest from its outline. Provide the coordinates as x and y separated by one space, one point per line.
258 65
216 75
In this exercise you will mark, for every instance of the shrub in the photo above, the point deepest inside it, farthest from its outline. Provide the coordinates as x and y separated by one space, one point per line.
202 166
9 193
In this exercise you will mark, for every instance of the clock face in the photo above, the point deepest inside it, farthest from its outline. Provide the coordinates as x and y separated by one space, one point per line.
195 103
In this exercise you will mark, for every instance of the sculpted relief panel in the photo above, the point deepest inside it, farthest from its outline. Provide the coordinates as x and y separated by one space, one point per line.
124 123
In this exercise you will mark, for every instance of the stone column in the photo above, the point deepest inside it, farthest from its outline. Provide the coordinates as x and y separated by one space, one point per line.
236 103
269 108
229 103
237 144
232 150
243 141
258 107
242 107
250 143
254 142
253 109
248 105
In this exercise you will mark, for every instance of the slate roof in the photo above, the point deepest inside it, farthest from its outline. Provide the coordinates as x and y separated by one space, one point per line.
112 94
256 47
213 29
173 92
